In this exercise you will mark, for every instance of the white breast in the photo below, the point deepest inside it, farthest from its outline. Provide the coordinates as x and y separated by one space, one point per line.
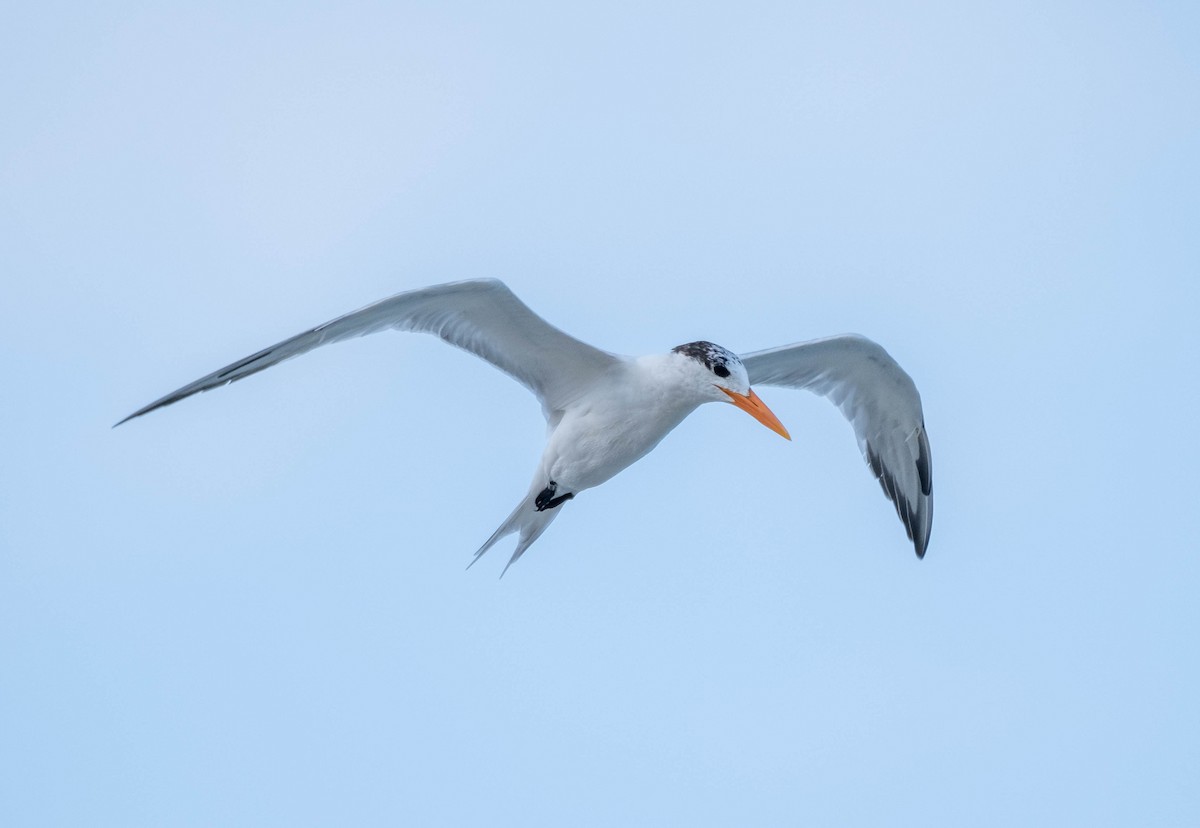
620 420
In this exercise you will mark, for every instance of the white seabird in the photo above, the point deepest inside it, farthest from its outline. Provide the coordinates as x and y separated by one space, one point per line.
604 411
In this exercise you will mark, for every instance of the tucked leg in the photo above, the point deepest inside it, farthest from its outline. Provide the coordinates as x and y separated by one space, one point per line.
546 498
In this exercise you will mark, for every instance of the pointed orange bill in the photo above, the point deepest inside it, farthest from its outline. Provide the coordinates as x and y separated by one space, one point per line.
757 409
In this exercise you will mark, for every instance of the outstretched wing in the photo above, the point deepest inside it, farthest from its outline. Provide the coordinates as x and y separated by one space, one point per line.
482 316
879 400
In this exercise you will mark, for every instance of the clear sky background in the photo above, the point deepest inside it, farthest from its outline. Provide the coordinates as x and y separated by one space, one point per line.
251 608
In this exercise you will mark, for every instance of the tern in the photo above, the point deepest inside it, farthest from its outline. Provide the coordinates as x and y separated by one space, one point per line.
604 412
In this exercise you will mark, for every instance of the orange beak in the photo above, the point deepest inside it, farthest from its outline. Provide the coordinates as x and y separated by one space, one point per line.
757 409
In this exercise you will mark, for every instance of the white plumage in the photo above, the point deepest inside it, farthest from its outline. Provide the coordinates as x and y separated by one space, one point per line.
604 412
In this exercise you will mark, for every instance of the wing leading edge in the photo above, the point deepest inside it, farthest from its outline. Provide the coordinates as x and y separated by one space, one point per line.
483 317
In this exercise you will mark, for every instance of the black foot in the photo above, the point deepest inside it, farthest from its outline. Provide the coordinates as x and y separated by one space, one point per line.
546 499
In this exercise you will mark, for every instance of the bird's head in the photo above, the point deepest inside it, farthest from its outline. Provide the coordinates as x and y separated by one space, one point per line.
718 375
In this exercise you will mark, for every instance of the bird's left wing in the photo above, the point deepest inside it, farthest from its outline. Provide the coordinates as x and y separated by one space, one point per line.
482 316
880 400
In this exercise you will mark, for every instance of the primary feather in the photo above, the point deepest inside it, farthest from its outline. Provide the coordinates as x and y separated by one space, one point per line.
882 404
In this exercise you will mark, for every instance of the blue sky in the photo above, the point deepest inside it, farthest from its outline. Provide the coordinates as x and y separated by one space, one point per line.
251 609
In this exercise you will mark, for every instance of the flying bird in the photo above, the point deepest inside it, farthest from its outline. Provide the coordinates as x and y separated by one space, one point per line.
604 411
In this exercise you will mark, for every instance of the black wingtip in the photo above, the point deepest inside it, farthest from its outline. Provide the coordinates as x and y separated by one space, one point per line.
154 406
132 416
921 539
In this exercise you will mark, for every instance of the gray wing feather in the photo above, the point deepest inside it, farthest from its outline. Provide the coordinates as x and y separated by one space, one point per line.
483 317
882 404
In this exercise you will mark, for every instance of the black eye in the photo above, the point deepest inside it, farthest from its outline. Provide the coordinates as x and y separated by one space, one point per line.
720 370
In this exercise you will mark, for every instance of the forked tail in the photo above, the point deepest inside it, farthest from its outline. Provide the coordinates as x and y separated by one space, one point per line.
525 519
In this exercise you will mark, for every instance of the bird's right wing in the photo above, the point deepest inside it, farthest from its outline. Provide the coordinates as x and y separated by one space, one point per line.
880 400
482 316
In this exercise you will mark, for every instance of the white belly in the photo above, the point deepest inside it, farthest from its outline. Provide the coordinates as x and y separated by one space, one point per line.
595 441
